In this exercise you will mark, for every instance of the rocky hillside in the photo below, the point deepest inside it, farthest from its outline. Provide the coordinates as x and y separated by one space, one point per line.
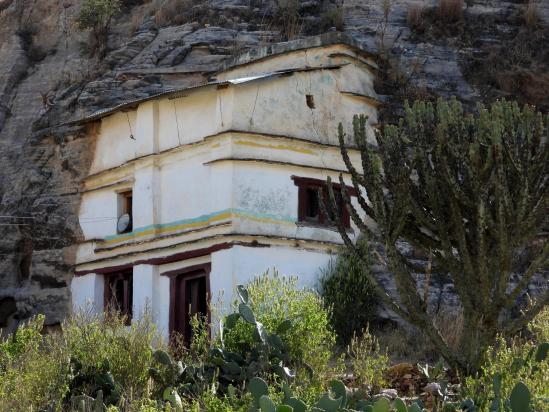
52 71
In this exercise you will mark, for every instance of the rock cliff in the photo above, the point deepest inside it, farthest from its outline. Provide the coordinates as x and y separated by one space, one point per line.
50 73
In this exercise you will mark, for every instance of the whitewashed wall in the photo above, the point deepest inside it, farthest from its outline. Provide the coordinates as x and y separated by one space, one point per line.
216 164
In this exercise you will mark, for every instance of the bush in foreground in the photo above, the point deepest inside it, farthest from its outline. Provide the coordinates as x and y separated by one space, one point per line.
92 353
97 363
275 298
349 296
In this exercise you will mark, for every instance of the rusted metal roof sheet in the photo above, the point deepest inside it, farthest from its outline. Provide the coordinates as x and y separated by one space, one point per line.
175 93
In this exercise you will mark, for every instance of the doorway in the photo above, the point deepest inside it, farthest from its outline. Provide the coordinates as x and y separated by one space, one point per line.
190 290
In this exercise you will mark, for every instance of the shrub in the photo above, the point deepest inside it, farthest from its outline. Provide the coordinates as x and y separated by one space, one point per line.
96 15
96 339
26 338
276 298
539 326
34 370
349 296
368 360
514 360
415 18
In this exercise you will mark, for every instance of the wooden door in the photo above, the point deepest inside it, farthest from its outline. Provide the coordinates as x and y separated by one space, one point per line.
189 298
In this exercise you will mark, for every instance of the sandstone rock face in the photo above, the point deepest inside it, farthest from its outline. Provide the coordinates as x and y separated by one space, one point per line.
46 80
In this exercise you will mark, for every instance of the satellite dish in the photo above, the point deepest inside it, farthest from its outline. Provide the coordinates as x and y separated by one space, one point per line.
124 223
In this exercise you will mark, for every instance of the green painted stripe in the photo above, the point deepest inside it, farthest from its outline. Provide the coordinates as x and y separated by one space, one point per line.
205 218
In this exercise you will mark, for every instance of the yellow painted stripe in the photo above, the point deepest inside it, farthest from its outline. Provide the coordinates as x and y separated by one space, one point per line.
276 147
192 225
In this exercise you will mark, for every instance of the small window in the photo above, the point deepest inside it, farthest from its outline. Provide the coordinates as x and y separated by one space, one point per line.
309 207
125 207
309 98
312 205
119 293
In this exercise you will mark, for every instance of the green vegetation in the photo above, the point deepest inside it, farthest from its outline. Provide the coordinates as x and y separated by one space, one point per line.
369 362
518 359
346 288
275 299
468 190
472 191
92 354
96 16
97 363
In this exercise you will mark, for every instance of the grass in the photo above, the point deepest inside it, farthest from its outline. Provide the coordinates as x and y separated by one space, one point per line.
165 13
531 14
449 11
174 12
37 371
415 17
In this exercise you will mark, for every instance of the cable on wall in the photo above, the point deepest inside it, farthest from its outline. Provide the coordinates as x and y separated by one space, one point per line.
255 103
176 123
129 126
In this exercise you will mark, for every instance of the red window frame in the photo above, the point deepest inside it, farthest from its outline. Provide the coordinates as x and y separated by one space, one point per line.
179 311
306 186
112 280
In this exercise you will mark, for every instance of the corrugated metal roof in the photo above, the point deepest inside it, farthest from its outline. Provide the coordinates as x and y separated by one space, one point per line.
175 93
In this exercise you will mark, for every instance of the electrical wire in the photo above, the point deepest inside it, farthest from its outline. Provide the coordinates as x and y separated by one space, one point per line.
130 126
176 123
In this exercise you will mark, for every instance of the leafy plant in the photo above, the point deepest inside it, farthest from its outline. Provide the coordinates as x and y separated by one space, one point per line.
93 386
266 356
470 189
97 15
98 340
346 289
336 400
34 369
277 302
506 365
368 360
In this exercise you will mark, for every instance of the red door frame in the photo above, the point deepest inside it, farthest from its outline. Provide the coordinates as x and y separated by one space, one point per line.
107 294
187 273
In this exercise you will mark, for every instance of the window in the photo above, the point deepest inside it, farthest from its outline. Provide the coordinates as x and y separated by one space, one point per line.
119 293
125 206
309 198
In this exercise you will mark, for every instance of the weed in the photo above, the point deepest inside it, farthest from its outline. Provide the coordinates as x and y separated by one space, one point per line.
531 14
415 18
368 360
287 16
173 12
450 11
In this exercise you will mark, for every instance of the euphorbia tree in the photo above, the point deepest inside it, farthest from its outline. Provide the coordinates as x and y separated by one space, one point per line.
471 190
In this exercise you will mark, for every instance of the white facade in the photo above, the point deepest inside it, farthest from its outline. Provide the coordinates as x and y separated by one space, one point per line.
210 169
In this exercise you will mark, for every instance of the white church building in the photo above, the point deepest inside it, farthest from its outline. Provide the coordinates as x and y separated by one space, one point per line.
195 190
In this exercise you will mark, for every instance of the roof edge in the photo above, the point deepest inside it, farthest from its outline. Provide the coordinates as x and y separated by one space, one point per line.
248 57
258 53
